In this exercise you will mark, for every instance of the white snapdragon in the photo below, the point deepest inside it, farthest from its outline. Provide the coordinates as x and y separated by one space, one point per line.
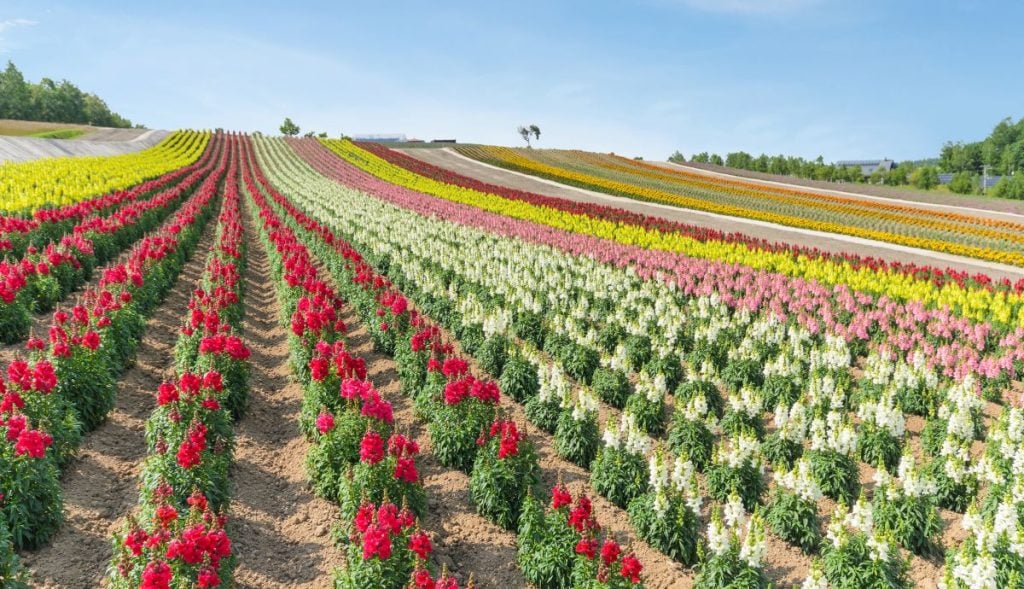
861 517
740 450
755 546
733 512
748 402
815 580
960 408
800 481
653 388
833 433
792 422
885 414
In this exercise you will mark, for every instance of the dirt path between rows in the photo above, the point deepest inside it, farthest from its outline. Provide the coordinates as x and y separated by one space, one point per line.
280 530
101 486
465 542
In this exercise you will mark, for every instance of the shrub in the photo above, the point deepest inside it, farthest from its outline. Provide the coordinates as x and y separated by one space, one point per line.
519 380
611 386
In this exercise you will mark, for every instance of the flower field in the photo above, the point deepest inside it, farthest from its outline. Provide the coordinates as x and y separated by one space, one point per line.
301 362
954 233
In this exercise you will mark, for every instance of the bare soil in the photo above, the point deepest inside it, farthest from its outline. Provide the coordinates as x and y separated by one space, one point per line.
281 532
101 486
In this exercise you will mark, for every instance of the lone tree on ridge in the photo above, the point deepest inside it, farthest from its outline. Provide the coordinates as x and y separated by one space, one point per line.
288 127
525 132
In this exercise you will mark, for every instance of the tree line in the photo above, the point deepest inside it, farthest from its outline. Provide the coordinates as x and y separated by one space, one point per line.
53 102
999 154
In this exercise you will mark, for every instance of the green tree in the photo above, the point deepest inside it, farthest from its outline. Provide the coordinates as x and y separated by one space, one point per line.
716 160
900 175
677 157
963 183
925 177
1009 187
289 128
15 94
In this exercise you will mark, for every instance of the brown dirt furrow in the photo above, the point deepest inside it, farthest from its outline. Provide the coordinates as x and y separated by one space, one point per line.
100 487
465 542
280 530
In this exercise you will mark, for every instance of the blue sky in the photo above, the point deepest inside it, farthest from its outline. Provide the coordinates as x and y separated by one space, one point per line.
839 78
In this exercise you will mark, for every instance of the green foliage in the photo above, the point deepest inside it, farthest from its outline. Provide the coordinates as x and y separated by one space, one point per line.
650 415
493 354
611 386
688 391
692 440
498 486
529 327
963 183
546 545
577 440
925 178
673 532
836 474
519 380
86 380
745 480
619 475
793 519
850 566
728 571
53 102
289 128
454 430
32 498
11 574
543 414
1011 187
15 320
878 446
913 522
951 494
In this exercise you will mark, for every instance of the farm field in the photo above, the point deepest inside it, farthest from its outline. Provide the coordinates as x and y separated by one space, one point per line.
233 360
947 231
454 162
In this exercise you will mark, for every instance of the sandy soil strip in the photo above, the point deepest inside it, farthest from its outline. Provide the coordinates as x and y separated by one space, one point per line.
101 486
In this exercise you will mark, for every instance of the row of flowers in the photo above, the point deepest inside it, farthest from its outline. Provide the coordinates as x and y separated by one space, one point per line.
47 274
911 226
356 458
938 277
831 463
466 429
1005 309
55 182
179 536
953 347
49 224
66 384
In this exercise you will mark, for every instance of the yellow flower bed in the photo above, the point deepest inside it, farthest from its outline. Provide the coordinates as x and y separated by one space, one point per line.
977 304
28 186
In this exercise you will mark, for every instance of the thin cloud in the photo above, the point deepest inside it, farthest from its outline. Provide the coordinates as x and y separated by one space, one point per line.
15 23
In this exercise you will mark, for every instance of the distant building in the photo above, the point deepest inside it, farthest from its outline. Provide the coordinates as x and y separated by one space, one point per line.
381 138
868 167
443 141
